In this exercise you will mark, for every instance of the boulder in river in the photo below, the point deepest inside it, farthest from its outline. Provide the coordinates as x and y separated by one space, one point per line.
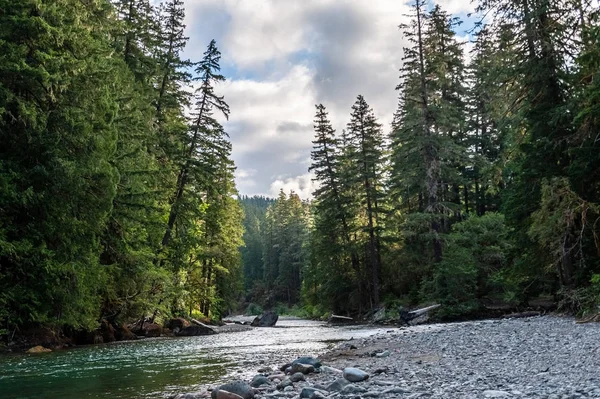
38 349
194 330
268 319
237 387
354 374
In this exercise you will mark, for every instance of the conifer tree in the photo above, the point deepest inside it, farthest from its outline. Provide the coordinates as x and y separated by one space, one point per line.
366 138
57 124
203 124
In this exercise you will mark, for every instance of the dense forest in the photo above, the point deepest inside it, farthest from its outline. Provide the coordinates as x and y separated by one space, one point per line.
116 182
117 193
485 190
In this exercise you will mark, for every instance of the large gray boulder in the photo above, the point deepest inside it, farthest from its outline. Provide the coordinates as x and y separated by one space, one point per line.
268 319
194 330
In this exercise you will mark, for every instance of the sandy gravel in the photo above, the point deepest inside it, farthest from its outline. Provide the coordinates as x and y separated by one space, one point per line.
539 357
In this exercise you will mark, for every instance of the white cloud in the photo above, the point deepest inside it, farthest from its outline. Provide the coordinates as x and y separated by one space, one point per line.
282 57
456 6
301 185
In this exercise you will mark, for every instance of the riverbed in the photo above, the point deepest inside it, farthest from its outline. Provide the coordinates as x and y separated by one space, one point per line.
161 367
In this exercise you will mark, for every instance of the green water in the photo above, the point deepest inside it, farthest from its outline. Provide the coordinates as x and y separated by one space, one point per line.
163 367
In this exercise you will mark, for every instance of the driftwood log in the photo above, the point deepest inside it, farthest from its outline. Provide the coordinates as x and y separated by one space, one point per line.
340 319
199 323
406 316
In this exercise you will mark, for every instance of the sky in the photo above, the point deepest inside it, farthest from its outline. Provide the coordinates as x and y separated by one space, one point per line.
281 57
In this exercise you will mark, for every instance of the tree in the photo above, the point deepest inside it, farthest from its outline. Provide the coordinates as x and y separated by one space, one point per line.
366 138
57 123
334 218
204 123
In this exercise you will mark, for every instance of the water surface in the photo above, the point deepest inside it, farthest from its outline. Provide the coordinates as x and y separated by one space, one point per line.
162 367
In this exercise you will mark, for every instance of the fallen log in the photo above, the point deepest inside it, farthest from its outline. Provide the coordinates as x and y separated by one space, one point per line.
199 323
340 319
406 316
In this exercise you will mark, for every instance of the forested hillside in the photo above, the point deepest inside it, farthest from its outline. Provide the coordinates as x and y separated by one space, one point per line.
117 193
486 188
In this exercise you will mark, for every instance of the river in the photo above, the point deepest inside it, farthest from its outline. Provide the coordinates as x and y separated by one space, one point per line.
162 367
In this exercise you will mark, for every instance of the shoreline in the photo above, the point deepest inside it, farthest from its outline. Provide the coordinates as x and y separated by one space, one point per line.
535 357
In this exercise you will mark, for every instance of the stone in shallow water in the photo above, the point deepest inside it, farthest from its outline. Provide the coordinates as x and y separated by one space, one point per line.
38 349
353 374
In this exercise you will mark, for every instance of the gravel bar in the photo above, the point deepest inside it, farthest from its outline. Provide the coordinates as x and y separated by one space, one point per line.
539 357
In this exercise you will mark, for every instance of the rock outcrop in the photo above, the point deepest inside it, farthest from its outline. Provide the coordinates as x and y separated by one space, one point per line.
268 319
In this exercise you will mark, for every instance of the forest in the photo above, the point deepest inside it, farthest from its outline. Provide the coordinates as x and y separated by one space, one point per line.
484 191
117 192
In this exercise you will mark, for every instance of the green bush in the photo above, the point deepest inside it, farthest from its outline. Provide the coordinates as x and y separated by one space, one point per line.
473 267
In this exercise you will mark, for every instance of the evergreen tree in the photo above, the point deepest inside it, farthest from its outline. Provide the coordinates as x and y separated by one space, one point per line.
57 123
366 138
333 247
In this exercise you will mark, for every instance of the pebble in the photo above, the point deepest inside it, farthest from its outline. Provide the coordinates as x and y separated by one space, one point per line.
297 377
543 357
227 395
303 368
354 374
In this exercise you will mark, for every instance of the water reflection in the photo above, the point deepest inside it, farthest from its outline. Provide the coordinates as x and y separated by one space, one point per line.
163 366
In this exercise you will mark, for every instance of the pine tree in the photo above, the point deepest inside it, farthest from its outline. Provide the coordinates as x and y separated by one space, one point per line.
334 221
366 138
57 124
204 124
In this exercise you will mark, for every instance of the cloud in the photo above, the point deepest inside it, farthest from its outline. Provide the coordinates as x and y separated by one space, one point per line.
456 6
302 185
283 57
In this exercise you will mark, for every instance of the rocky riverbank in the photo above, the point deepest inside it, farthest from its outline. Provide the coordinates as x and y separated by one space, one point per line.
538 357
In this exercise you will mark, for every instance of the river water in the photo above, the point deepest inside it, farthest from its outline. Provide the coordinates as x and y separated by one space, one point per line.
162 367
